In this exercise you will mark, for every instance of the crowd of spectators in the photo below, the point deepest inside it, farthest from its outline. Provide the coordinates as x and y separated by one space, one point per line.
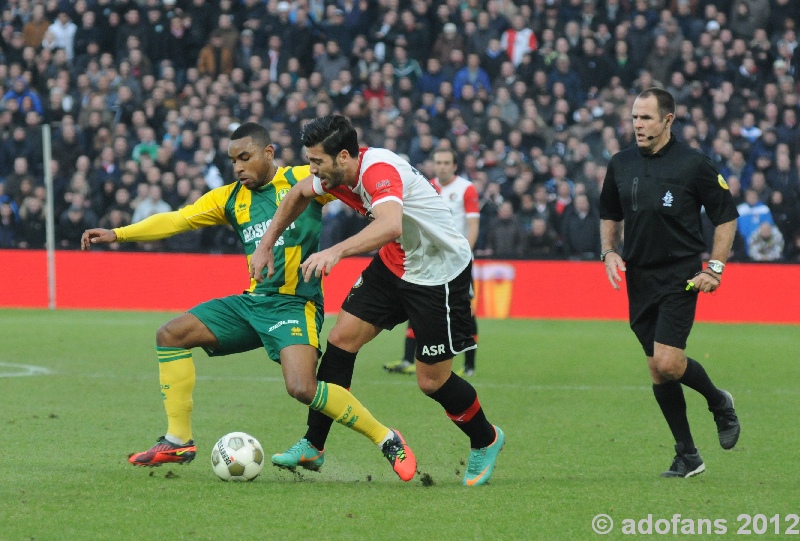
534 96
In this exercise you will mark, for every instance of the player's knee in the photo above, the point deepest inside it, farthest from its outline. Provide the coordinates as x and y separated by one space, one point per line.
667 368
344 339
301 391
428 386
430 383
167 337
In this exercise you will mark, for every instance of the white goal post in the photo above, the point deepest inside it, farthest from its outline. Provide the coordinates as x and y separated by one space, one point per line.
47 156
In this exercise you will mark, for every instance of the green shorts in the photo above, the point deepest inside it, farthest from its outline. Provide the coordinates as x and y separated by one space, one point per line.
246 322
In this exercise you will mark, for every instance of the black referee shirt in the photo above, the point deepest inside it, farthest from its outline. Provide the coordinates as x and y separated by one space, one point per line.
659 196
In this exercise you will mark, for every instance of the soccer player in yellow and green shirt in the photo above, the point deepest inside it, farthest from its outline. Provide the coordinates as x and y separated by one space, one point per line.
283 314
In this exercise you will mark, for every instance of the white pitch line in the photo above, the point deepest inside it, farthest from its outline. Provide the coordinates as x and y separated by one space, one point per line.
396 382
405 382
411 381
24 370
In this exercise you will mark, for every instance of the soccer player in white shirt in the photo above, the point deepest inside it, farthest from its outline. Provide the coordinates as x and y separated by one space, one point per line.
462 199
422 273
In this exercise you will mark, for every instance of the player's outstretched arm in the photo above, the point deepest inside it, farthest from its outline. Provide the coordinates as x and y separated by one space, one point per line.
291 206
155 227
97 236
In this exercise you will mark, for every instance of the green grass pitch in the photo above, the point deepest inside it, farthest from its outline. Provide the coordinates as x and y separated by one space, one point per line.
584 437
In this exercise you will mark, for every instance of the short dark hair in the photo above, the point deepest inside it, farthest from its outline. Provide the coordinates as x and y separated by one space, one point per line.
334 132
448 150
258 132
666 103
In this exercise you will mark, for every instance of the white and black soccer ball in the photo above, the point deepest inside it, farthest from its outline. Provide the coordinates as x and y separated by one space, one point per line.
237 456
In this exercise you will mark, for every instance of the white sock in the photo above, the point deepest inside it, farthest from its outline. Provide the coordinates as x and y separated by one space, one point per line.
389 436
175 440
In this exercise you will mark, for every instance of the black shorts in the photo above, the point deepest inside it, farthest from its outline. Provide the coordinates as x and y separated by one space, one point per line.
440 315
659 307
473 325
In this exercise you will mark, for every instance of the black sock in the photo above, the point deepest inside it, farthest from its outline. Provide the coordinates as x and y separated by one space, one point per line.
670 398
410 350
469 359
336 367
696 378
460 401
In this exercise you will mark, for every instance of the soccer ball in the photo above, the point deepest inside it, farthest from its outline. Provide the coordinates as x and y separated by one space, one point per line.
237 457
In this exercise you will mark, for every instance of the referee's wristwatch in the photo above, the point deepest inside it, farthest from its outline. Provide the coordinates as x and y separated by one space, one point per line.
716 266
605 253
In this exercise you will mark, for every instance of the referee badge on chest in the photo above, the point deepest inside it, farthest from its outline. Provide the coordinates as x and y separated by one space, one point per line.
668 199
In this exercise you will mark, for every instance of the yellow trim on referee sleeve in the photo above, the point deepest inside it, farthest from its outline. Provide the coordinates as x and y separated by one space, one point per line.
292 256
311 324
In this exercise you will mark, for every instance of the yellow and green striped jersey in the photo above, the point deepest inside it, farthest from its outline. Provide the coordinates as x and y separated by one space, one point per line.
250 213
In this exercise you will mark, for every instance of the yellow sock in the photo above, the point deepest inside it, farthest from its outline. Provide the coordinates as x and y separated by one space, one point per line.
340 405
176 374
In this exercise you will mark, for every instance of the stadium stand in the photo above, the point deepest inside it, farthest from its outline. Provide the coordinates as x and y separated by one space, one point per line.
142 96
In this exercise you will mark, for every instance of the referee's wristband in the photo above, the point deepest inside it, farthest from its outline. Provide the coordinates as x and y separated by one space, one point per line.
605 253
705 271
717 278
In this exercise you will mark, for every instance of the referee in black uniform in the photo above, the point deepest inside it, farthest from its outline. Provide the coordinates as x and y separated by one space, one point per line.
657 190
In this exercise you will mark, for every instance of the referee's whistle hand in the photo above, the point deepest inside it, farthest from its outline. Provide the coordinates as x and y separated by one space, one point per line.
704 283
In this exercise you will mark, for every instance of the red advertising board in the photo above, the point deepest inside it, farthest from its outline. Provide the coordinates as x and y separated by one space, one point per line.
754 293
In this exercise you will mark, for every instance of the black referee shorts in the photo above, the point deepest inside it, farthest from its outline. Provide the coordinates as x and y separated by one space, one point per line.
440 315
659 307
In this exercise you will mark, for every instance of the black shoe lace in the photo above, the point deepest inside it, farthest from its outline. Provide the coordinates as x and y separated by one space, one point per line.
393 449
